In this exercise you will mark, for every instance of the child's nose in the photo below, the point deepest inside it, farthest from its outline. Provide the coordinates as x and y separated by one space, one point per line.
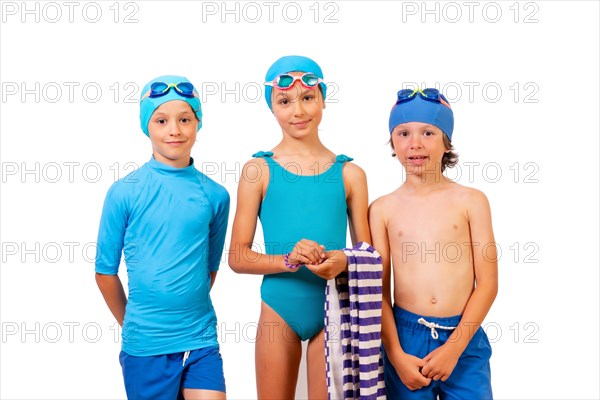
415 141
298 107
175 129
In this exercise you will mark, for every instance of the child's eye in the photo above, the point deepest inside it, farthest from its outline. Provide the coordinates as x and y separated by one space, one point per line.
403 133
284 102
309 97
161 121
185 120
428 133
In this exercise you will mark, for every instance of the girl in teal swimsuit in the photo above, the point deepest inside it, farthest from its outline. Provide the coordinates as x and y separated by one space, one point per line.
304 196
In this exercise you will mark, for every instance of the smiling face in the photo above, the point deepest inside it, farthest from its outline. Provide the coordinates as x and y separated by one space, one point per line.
172 129
419 147
298 109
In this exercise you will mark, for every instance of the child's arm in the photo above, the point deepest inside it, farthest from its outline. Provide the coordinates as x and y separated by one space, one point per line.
441 362
242 259
111 232
406 365
355 181
217 231
357 200
213 277
112 290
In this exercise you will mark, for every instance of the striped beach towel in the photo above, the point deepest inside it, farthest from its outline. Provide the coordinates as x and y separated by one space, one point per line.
353 328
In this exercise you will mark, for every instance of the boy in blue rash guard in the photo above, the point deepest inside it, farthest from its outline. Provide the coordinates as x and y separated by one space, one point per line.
435 238
305 196
169 220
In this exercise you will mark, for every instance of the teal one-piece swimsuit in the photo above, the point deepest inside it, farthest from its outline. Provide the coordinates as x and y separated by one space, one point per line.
299 206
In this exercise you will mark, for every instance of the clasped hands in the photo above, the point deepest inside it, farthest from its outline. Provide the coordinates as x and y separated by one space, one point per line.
326 264
416 373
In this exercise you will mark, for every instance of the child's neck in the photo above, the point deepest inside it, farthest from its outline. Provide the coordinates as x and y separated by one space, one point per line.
426 181
182 162
305 146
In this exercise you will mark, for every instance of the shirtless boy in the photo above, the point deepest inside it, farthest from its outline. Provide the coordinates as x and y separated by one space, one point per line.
438 236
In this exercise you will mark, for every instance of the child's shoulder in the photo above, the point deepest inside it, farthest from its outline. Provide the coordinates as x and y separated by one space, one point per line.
258 161
466 193
131 183
213 189
384 204
466 199
256 169
352 172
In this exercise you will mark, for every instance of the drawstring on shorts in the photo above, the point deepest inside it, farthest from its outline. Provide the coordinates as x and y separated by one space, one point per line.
185 357
433 326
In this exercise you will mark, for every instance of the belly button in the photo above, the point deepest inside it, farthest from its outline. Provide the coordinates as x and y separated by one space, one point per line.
433 300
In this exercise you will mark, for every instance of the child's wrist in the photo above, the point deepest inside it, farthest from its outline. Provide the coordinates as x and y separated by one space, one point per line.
287 263
456 345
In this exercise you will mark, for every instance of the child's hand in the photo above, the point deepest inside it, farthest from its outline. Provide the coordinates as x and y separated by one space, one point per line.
331 266
407 369
440 363
306 252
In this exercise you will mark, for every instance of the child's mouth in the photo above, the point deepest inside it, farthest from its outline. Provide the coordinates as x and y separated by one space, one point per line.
417 160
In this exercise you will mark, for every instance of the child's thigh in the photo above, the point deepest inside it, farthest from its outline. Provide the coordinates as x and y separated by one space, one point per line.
203 371
316 368
471 378
278 354
153 377
197 394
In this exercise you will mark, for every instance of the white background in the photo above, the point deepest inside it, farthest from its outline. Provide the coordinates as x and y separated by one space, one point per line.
540 133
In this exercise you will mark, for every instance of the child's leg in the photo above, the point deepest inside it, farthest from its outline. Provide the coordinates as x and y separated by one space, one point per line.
203 375
315 364
471 378
152 377
278 354
199 394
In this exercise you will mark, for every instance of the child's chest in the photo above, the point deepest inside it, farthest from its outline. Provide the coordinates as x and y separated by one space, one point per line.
429 225
182 208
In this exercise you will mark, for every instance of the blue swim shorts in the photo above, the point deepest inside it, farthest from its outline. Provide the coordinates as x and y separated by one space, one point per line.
163 376
470 379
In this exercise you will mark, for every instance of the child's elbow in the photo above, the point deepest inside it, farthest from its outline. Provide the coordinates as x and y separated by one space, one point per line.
492 289
102 280
234 262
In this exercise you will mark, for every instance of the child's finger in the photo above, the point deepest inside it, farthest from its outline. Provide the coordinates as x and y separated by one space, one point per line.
313 252
301 258
424 381
312 267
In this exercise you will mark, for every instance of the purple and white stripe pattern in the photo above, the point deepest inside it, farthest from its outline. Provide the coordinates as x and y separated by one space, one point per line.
353 328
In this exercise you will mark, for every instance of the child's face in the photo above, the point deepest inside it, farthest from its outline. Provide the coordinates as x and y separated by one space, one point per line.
172 129
419 147
298 109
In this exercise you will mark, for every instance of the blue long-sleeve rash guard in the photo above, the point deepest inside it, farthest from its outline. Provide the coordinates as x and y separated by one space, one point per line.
170 223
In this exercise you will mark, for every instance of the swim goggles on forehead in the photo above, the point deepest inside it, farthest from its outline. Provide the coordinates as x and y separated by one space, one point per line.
429 94
158 89
286 81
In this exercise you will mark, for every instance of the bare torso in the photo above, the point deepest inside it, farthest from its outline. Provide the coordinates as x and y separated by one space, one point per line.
430 247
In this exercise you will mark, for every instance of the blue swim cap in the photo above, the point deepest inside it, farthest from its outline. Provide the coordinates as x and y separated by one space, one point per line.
418 109
288 64
149 105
